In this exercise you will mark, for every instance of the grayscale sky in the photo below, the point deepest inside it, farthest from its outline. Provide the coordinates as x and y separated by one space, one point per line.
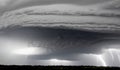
6 5
84 32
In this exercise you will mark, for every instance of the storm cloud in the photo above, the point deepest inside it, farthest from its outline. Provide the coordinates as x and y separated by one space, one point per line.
66 32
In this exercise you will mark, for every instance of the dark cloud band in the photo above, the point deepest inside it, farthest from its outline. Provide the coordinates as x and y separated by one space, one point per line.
73 18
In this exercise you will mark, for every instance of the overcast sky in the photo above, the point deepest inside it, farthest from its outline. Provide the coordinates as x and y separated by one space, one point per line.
6 5
72 40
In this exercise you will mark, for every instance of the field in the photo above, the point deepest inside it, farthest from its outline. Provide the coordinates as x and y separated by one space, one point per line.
57 68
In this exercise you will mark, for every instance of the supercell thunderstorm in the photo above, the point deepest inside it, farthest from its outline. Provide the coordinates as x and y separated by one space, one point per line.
47 35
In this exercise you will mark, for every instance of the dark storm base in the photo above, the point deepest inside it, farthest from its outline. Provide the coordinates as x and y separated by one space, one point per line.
12 67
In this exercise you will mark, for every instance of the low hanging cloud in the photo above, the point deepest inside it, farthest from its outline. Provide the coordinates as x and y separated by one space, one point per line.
8 3
63 29
4 2
111 5
49 17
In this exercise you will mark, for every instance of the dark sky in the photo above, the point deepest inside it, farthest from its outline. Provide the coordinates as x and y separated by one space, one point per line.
78 47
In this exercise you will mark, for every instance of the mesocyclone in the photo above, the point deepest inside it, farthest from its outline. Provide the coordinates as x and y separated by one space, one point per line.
64 16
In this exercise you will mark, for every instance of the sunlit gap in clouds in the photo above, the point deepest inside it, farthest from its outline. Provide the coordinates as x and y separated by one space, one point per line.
59 62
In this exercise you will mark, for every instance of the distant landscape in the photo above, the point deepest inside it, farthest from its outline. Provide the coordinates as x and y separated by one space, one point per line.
57 67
